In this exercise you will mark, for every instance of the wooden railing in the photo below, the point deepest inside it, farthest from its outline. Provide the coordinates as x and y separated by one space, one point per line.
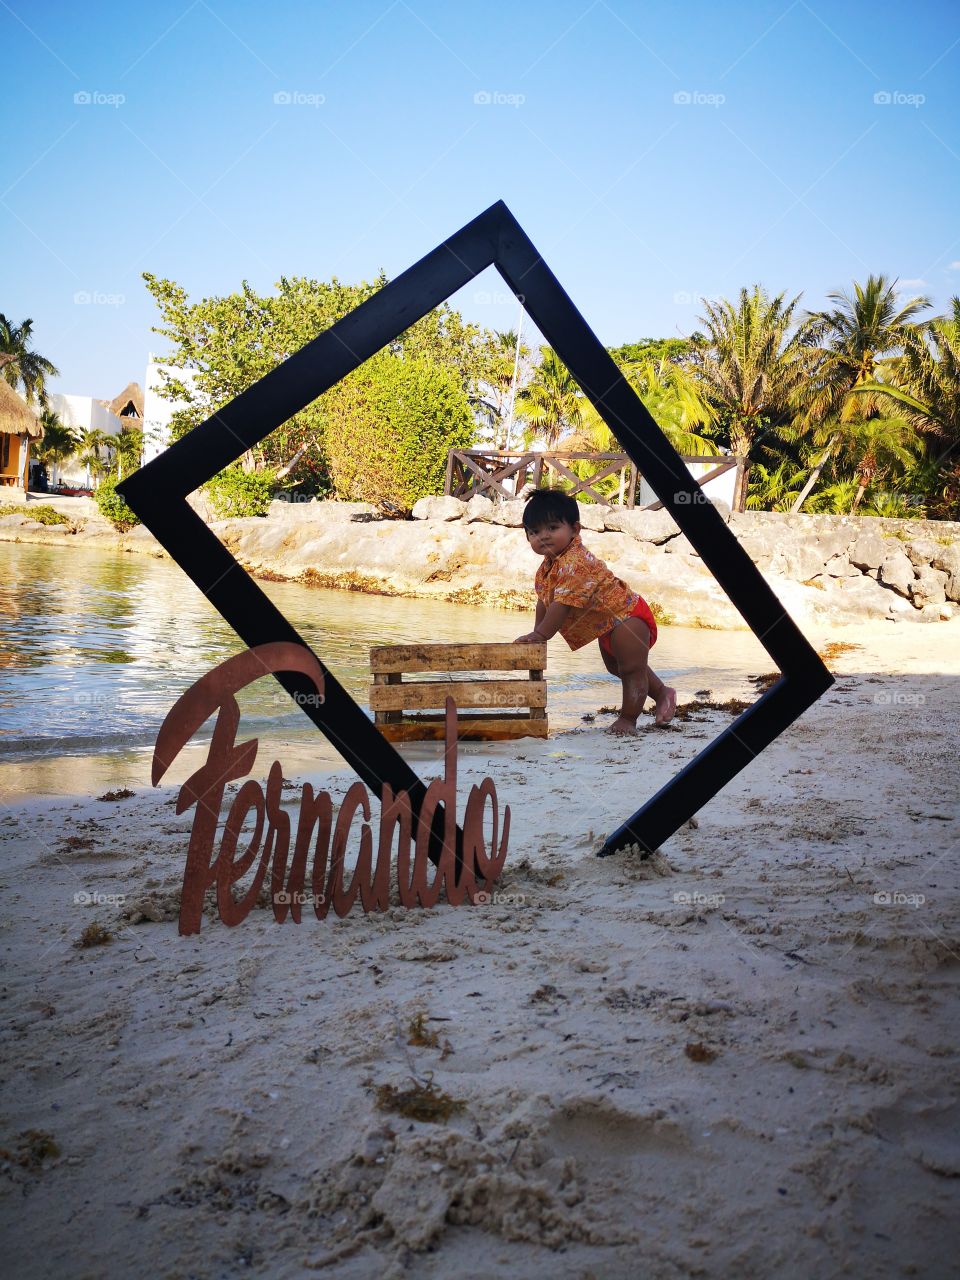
501 474
486 471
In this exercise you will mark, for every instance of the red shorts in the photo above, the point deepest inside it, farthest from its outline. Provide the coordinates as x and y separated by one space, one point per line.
640 610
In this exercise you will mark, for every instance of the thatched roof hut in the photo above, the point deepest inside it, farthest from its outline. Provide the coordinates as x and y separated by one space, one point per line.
128 405
16 416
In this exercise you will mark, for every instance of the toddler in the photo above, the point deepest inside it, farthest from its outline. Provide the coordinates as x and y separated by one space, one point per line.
583 600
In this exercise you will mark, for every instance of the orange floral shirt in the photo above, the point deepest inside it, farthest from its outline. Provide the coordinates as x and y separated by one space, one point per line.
599 598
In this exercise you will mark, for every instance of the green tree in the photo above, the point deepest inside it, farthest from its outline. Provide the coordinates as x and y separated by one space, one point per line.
127 450
752 363
91 445
59 442
390 425
852 340
228 343
551 402
20 365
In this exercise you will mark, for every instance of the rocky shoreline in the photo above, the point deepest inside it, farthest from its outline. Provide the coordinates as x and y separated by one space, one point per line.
835 569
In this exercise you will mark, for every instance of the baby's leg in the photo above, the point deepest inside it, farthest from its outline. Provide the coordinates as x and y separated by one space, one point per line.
630 642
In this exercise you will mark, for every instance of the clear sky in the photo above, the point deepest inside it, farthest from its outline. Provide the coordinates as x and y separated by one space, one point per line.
654 153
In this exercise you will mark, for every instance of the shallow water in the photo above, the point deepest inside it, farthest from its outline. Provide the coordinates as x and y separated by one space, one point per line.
95 648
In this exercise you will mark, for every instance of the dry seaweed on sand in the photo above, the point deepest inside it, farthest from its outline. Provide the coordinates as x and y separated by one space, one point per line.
420 1035
422 1101
699 1052
122 793
766 681
94 935
836 649
33 1146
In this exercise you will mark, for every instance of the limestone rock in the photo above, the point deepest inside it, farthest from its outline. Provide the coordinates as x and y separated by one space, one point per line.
869 551
896 572
593 517
681 546
478 508
438 509
509 513
947 560
646 526
920 551
840 567
929 587
802 562
836 542
856 599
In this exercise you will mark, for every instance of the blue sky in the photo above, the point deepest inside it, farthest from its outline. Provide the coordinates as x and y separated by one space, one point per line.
654 153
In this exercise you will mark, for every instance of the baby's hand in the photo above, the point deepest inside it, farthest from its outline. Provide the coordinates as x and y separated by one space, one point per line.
530 638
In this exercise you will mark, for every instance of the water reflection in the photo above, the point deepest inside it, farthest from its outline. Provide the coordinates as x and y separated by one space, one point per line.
96 647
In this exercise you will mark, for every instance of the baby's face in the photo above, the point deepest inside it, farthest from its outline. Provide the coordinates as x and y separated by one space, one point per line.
552 538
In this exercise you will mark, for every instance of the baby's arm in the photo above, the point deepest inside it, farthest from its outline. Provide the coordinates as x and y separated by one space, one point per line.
549 620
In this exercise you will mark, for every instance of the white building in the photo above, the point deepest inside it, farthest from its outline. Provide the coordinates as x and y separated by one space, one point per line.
157 412
81 413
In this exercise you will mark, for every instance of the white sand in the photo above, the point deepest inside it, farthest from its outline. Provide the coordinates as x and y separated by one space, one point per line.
213 1098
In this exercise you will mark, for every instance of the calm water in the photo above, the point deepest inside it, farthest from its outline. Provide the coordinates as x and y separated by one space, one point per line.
96 647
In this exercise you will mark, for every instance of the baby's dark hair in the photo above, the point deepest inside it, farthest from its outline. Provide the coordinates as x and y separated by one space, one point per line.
544 505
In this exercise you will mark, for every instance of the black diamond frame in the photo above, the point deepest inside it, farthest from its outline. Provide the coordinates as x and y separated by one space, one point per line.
158 493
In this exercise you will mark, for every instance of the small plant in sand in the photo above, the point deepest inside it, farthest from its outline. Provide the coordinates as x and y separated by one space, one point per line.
43 513
422 1101
94 935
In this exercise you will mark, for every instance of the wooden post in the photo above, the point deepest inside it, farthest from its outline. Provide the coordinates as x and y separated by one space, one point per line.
448 482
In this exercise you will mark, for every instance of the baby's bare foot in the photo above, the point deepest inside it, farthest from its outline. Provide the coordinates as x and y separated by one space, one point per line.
666 705
623 728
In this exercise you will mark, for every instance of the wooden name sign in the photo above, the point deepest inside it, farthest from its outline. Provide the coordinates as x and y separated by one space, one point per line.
461 874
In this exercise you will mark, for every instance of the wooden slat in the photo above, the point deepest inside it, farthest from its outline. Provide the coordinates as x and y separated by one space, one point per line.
458 657
420 694
484 728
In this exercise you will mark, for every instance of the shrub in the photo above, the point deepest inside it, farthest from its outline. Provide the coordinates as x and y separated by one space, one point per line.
235 492
113 508
389 426
43 513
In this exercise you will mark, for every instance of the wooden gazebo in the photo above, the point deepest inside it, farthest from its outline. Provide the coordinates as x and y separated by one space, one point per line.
18 426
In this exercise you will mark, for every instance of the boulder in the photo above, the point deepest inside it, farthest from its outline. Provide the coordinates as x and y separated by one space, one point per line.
869 551
840 567
763 546
509 513
896 572
858 598
593 517
928 587
835 542
947 560
681 546
920 551
646 526
438 509
802 562
478 508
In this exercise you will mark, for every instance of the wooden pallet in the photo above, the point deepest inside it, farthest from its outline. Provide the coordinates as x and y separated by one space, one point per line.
480 702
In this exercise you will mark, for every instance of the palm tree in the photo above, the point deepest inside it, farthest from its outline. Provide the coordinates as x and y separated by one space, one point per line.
772 488
552 402
752 368
127 449
91 440
870 447
58 443
853 338
20 366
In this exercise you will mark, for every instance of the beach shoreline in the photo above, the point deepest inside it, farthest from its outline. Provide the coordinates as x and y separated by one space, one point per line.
733 1058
